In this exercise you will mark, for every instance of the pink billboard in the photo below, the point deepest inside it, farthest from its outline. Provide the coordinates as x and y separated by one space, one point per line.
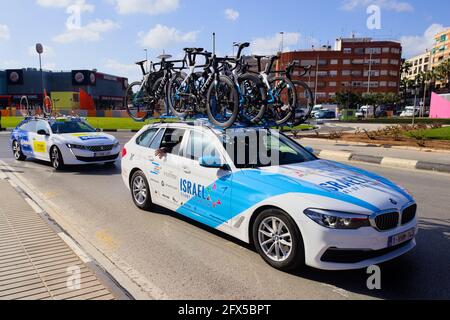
440 106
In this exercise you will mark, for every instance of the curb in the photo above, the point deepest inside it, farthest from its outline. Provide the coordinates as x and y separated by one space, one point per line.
383 161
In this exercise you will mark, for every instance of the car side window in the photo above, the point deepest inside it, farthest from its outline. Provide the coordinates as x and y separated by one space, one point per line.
31 126
172 140
42 125
157 140
200 145
145 139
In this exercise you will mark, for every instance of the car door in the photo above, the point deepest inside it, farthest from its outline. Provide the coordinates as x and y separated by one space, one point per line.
167 166
40 140
206 192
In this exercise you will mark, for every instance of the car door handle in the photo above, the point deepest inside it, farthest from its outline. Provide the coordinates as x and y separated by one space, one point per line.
186 170
151 158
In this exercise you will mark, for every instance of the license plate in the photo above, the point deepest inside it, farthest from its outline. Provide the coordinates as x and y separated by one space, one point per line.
101 154
401 238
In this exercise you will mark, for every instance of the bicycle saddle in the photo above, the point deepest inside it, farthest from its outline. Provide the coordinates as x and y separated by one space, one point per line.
164 57
140 63
243 45
193 50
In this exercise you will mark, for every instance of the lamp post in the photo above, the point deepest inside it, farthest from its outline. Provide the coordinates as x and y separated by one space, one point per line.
40 51
282 41
146 59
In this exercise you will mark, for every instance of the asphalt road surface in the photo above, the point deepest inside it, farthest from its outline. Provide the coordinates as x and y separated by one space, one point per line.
185 260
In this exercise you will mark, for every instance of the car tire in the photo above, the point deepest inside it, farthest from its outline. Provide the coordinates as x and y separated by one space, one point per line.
17 151
56 159
140 191
273 246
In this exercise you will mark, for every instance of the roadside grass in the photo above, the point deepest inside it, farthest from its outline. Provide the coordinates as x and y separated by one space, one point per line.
120 123
431 134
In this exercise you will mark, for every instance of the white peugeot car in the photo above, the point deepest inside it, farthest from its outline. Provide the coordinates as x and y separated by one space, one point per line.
263 188
63 141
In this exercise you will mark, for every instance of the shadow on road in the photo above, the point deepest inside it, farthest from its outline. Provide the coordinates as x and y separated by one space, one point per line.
420 274
88 169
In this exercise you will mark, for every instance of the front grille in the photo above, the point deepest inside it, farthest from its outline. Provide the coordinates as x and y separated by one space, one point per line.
409 214
100 148
354 256
387 221
98 159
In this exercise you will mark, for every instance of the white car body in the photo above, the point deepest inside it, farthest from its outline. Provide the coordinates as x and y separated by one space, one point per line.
234 196
409 112
91 147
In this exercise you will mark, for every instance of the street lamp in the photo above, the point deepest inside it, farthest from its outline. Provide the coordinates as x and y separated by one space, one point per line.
282 41
40 51
146 59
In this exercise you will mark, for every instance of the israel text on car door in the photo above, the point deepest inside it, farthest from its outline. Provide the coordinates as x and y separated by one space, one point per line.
167 167
40 140
206 190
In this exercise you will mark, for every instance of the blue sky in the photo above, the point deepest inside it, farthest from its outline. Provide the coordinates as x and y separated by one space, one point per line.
112 34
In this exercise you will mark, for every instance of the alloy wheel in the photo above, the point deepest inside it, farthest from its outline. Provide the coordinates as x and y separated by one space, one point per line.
275 239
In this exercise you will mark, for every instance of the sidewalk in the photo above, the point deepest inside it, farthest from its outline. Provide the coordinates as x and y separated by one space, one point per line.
390 157
36 262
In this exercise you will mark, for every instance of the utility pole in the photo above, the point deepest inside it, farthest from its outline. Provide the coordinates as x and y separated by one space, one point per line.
370 71
146 59
282 41
317 79
40 51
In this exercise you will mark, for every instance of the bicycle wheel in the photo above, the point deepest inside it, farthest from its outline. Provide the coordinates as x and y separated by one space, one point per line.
24 107
178 96
158 103
137 102
284 100
253 99
222 102
305 103
47 108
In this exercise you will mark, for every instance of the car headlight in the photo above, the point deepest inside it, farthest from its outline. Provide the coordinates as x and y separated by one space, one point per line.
117 144
337 220
75 146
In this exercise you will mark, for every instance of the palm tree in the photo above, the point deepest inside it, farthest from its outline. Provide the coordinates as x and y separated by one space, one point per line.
443 73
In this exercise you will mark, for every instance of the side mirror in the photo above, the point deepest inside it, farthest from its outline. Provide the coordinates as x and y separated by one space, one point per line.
309 149
43 133
212 162
98 130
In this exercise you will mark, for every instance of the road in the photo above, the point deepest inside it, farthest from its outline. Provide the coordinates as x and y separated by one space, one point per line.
185 260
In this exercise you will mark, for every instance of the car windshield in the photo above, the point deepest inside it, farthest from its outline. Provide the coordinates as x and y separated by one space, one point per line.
71 127
256 148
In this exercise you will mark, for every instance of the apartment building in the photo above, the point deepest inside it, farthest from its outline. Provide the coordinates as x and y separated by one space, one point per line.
358 65
419 64
441 49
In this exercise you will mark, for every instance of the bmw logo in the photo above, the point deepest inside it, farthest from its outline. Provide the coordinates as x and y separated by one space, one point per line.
393 202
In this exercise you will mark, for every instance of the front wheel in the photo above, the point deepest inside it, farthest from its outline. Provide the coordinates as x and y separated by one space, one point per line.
56 159
222 102
17 151
284 100
278 240
137 102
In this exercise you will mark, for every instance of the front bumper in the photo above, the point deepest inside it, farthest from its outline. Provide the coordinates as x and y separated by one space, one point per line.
329 249
80 157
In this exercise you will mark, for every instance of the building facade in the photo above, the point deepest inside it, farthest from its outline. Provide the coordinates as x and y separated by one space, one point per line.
358 65
419 64
441 49
76 89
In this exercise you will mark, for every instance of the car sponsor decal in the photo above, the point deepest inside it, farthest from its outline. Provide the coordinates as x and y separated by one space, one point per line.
88 137
156 168
39 147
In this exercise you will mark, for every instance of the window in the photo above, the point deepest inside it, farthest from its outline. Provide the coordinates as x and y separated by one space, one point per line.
395 50
332 84
347 50
333 73
200 145
172 140
358 61
383 84
346 61
443 38
42 125
384 72
334 61
29 126
63 127
346 72
146 138
394 73
385 61
386 50
157 140
323 62
359 51
322 73
373 50
392 84
394 62
356 73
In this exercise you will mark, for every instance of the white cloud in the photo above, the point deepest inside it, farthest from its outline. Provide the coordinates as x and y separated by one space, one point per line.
415 45
48 51
10 64
161 37
231 14
81 4
130 71
152 7
391 5
271 45
89 33
4 32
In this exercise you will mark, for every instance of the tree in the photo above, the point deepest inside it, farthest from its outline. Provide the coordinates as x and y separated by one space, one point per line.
443 73
405 67
347 99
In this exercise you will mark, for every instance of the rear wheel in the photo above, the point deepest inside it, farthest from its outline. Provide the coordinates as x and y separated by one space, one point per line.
17 151
285 100
140 191
254 96
222 103
278 240
137 102
305 103
56 158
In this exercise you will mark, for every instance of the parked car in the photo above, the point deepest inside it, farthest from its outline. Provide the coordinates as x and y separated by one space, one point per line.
323 107
325 114
409 112
365 112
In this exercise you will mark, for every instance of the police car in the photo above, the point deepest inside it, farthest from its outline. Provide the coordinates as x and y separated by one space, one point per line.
63 141
261 187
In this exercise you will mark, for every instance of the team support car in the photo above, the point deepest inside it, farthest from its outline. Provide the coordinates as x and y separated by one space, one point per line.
263 188
63 141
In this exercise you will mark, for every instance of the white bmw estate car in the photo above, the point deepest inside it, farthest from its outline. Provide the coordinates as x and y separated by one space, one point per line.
63 141
264 188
